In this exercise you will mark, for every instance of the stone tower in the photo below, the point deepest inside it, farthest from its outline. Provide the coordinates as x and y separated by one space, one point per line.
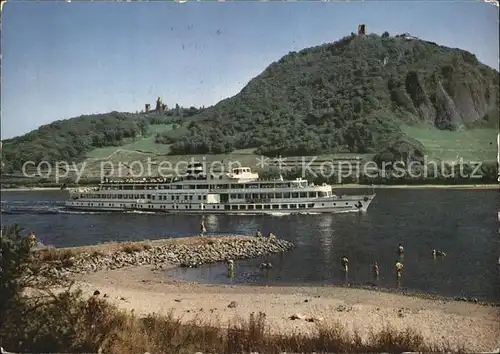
361 30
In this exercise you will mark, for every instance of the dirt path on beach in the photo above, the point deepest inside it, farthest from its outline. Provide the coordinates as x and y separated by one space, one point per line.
472 326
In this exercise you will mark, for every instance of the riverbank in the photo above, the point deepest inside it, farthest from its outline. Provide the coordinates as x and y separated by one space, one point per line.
335 186
30 189
419 186
132 276
298 309
191 251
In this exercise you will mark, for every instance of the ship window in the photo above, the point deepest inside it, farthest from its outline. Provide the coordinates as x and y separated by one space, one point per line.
279 195
312 194
286 195
346 203
240 196
120 196
284 206
192 186
248 196
185 206
302 205
267 207
242 207
276 206
204 197
234 207
293 206
190 197
148 196
322 194
233 196
255 196
227 207
258 207
310 205
185 197
176 197
199 197
303 194
250 207
295 195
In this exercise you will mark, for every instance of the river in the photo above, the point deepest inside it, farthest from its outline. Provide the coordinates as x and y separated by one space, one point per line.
462 223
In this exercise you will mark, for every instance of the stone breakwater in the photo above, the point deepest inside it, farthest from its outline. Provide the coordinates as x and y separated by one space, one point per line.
189 254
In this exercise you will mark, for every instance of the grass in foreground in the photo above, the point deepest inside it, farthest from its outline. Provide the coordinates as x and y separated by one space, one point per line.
68 323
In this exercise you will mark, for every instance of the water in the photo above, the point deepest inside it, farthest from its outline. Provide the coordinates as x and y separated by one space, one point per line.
463 223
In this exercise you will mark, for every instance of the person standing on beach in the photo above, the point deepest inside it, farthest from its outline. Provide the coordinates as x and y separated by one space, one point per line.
31 239
202 227
258 234
401 250
345 261
375 269
399 269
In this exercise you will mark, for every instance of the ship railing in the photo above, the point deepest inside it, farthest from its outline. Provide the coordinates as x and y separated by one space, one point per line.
252 201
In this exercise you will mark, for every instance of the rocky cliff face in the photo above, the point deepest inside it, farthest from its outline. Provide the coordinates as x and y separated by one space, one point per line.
352 90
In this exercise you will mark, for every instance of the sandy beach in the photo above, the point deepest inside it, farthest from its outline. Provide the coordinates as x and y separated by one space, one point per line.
145 290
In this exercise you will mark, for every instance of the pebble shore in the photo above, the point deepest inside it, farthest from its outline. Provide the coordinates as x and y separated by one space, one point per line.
210 249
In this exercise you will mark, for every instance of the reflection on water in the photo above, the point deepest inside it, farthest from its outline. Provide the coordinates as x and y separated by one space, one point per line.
459 222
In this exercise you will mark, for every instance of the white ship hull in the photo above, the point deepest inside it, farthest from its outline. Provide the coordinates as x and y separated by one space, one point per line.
238 192
327 205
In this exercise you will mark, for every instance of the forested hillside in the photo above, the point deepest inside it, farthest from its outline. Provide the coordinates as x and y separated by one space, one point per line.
70 139
349 96
353 95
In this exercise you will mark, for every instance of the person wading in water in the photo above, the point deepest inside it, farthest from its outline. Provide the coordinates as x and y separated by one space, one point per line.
230 269
375 269
399 269
202 227
345 261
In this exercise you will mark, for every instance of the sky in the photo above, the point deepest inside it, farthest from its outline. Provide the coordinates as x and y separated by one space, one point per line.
62 60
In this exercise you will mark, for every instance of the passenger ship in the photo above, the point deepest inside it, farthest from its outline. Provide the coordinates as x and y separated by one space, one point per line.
239 191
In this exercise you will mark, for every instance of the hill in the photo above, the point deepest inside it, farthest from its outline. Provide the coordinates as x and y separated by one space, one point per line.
387 97
350 96
76 138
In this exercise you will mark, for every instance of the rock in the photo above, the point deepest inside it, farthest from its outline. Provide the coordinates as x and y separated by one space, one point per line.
296 316
344 308
314 319
189 256
232 305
